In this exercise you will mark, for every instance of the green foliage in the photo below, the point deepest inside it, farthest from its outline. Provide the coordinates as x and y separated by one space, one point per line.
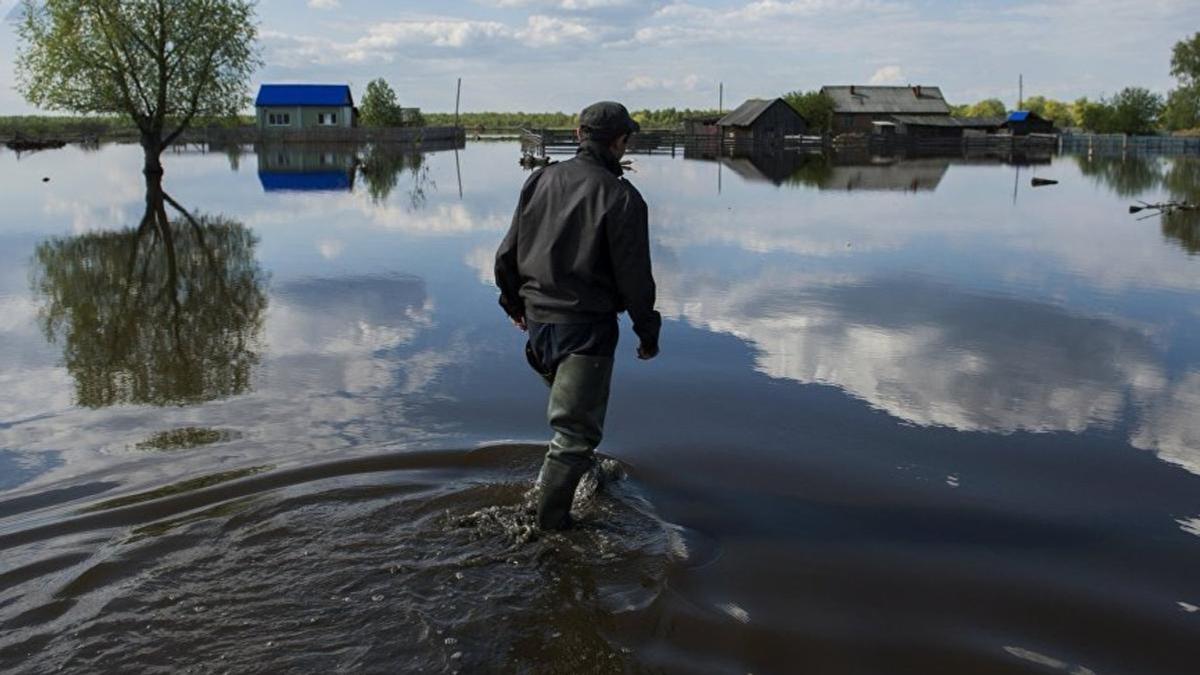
1185 61
815 107
379 107
1062 114
1182 110
161 63
1135 110
991 107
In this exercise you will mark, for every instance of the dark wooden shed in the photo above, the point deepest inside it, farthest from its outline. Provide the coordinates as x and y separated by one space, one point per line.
1022 123
761 122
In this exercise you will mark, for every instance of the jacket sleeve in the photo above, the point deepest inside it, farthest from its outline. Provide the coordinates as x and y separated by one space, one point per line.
508 279
508 276
629 246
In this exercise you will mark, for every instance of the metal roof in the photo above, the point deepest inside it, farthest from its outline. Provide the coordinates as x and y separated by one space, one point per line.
887 100
947 121
1018 116
304 94
307 181
745 114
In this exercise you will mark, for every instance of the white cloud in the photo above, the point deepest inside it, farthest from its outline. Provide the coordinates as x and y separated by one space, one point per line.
648 83
887 75
324 4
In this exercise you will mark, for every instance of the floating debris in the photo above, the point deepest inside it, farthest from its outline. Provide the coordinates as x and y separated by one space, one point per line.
1163 207
1039 182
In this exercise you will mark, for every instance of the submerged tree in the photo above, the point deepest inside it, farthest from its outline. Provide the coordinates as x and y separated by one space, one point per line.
815 107
379 107
163 63
164 314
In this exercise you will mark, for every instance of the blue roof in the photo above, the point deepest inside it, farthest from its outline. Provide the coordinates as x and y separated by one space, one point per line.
1018 116
308 181
304 94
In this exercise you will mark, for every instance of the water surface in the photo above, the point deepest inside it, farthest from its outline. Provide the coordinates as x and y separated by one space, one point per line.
911 416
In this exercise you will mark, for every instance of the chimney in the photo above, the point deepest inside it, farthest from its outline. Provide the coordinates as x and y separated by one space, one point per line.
851 90
917 91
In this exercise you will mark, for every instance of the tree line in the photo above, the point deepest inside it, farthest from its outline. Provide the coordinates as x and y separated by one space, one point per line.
1133 110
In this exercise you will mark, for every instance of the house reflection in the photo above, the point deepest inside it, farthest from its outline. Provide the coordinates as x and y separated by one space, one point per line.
306 168
167 313
851 169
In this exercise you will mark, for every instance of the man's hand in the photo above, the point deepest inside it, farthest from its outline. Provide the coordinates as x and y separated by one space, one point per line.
646 353
519 322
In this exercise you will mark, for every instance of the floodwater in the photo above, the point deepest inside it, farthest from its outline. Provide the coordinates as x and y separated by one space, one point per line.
911 416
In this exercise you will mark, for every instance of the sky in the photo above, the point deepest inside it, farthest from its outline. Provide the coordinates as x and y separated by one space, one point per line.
550 55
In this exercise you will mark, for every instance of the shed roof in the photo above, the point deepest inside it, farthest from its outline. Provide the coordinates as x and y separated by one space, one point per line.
304 94
1024 116
745 114
306 181
916 100
948 121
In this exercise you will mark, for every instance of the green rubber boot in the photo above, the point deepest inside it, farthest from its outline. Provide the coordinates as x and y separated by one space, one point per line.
578 402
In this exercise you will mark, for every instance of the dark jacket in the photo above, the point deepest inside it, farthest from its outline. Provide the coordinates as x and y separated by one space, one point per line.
578 249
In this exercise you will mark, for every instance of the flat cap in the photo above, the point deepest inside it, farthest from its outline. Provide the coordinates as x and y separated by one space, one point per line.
607 119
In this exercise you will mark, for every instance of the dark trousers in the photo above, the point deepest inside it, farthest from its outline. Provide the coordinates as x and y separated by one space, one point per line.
550 343
576 360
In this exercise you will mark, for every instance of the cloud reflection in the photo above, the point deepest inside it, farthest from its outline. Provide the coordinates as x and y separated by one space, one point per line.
935 355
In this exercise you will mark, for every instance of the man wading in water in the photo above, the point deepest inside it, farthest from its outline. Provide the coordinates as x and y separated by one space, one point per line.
577 254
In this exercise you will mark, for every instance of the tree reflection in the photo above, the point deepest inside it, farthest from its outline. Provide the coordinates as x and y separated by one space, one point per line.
1126 176
1183 182
168 313
383 165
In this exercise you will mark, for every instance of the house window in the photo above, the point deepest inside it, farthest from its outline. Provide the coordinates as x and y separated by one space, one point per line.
279 119
327 119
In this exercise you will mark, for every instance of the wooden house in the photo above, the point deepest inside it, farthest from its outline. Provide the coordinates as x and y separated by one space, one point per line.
1022 123
761 122
284 107
856 108
944 126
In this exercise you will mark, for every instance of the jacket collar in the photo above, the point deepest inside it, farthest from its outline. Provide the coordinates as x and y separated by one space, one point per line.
600 154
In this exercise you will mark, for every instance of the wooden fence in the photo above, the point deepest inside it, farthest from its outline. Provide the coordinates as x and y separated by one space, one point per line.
1111 144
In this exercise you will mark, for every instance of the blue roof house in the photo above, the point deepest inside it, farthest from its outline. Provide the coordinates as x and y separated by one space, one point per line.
293 107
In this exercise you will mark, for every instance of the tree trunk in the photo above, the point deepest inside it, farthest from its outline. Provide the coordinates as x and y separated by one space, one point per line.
151 146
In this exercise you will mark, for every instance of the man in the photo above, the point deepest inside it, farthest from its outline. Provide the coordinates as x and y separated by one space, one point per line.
576 255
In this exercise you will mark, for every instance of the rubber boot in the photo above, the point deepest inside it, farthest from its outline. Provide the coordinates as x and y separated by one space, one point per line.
578 403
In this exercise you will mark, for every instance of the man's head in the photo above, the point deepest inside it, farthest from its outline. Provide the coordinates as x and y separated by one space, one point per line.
608 123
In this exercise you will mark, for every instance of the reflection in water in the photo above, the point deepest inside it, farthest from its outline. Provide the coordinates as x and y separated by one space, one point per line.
299 167
382 166
305 168
1182 180
1133 175
936 356
165 314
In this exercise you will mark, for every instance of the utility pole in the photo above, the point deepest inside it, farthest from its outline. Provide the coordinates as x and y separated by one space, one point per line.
721 97
457 97
1020 92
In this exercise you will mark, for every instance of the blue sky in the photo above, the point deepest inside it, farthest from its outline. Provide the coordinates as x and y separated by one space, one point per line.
562 54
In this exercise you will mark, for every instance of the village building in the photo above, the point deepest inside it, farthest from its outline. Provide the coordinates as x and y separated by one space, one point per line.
1022 123
761 122
284 107
856 108
942 126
